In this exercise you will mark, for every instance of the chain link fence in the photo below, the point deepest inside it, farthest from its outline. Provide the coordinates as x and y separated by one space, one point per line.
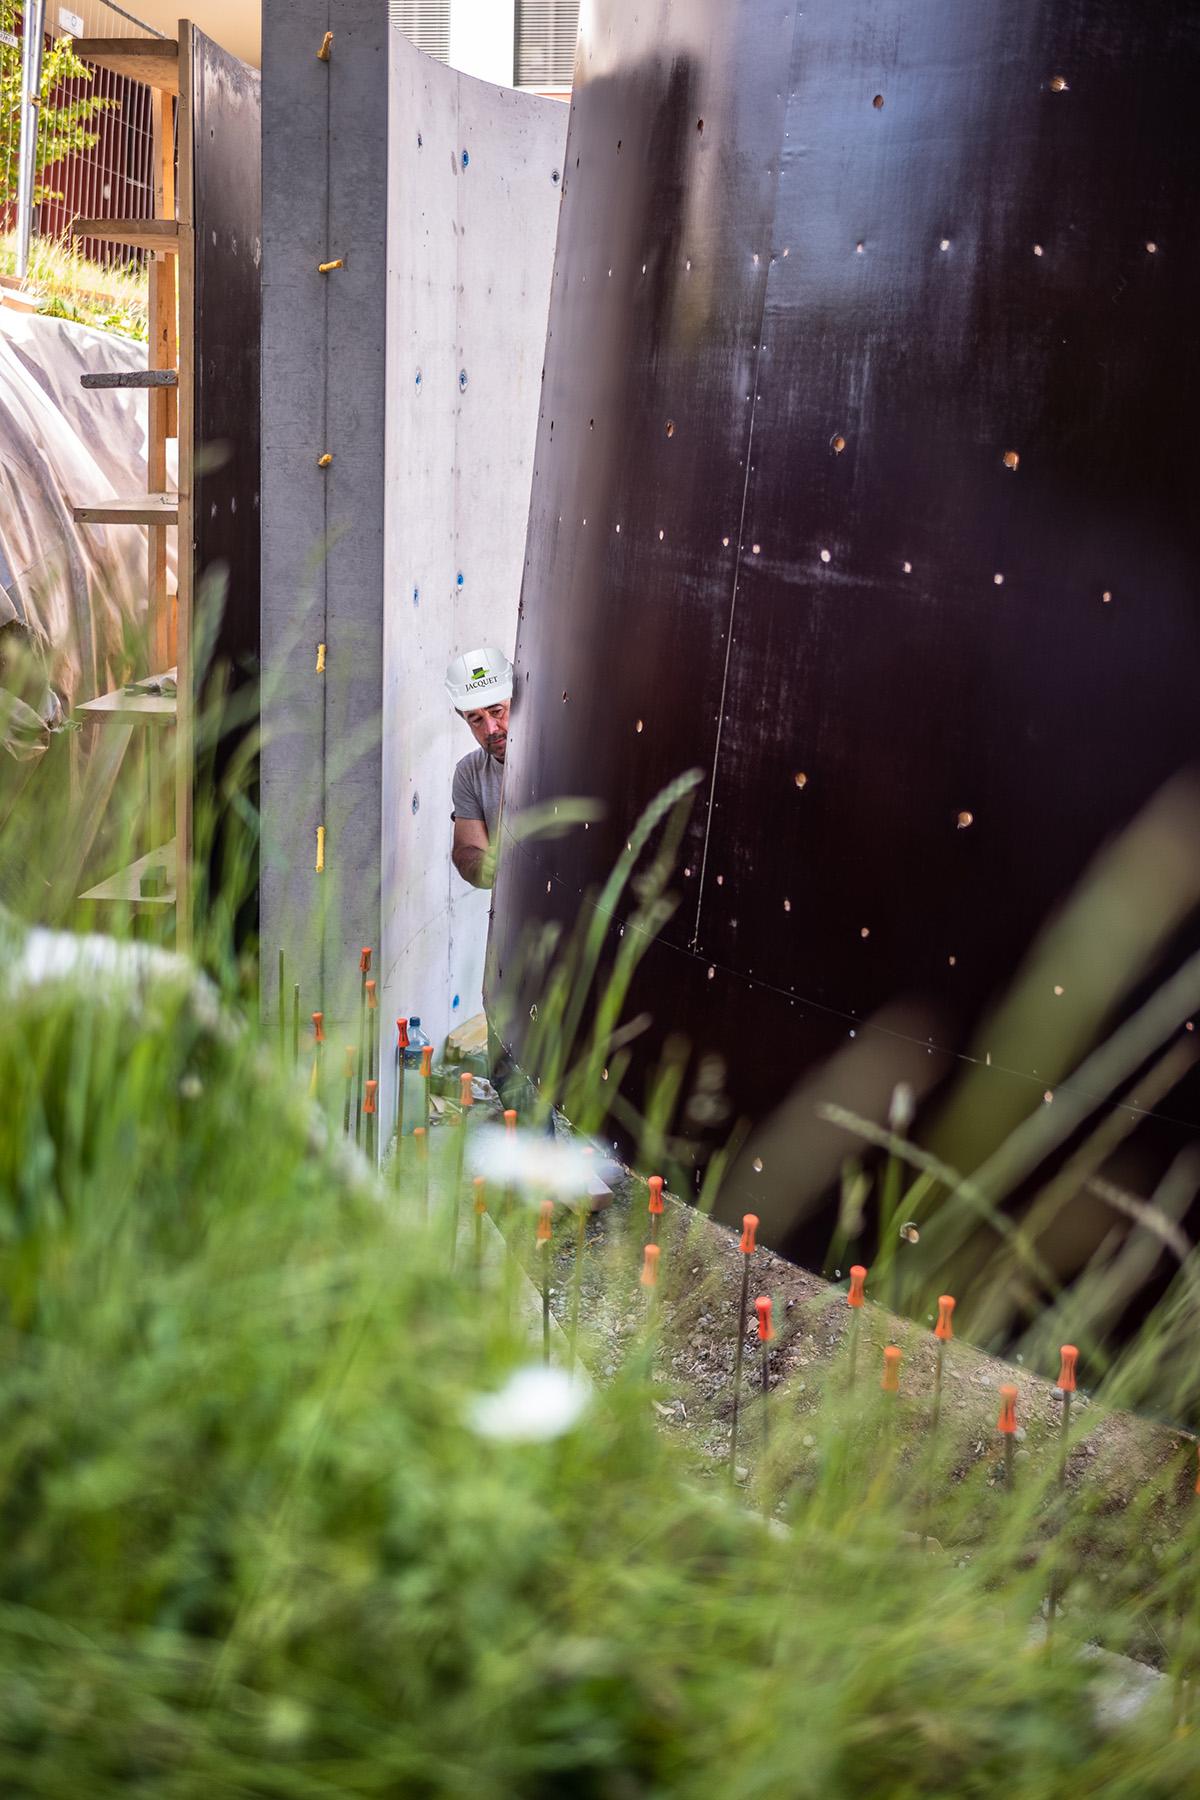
95 130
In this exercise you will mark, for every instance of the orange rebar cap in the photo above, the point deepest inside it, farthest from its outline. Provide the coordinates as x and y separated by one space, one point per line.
348 1071
891 1369
422 1141
858 1276
372 997
766 1331
426 1057
1066 1375
510 1122
319 1028
402 1034
1007 1421
369 1100
480 1194
545 1221
650 1266
943 1329
364 961
468 1092
656 1199
749 1227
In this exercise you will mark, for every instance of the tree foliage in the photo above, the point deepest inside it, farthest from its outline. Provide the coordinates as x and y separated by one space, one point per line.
64 115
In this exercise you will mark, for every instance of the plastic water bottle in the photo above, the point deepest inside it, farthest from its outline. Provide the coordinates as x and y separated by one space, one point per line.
414 1087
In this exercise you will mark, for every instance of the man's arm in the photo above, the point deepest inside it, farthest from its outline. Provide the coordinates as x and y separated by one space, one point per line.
472 855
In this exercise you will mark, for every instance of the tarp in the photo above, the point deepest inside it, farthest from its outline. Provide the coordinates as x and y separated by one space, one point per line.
76 594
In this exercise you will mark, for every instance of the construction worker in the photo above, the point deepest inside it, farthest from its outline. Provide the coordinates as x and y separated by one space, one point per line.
480 685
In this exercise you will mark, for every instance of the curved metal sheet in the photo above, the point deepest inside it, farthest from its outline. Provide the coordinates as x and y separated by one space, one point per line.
866 456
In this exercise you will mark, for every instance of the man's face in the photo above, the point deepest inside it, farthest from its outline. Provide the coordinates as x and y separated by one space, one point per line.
489 728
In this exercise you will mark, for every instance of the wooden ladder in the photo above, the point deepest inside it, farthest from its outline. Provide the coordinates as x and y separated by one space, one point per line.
160 880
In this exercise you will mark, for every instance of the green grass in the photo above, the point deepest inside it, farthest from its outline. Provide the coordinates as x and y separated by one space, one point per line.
67 286
253 1547
254 1544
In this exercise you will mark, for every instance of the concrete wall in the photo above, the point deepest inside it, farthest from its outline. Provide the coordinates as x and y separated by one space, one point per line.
446 271
324 174
474 180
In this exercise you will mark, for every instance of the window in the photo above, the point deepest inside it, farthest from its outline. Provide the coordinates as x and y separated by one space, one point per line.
426 22
545 42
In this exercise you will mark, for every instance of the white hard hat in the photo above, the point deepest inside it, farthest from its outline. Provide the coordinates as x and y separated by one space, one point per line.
479 678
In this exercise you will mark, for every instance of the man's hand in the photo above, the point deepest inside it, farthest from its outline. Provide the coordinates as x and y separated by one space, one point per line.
472 855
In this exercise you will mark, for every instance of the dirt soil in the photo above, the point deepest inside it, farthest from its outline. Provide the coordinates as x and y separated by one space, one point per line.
698 1312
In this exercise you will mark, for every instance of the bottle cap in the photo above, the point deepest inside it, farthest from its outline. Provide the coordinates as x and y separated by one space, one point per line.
749 1227
943 1329
858 1276
766 1331
891 1369
656 1199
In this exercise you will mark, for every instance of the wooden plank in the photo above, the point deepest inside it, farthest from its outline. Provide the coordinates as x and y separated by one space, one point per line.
164 351
185 755
139 234
152 60
125 889
131 378
139 509
131 709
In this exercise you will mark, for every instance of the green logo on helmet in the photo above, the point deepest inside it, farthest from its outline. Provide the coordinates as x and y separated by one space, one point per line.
478 674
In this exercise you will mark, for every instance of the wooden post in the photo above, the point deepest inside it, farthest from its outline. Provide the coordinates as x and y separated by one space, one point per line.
163 403
185 700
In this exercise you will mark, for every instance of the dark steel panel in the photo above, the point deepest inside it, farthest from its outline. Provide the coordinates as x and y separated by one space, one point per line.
1046 326
228 241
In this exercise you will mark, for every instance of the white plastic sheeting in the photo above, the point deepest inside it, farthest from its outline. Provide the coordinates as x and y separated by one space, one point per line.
474 177
76 591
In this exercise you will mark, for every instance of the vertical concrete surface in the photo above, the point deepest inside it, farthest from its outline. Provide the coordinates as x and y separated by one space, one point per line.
475 173
324 200
438 196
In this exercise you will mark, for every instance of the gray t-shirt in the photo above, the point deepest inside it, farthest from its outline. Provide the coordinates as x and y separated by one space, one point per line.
478 780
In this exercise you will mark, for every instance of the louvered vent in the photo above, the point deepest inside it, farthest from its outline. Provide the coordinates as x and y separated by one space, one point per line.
426 22
546 31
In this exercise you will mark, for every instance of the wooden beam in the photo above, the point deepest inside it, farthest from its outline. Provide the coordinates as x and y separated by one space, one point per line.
185 754
131 378
139 234
131 709
152 60
138 509
125 887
